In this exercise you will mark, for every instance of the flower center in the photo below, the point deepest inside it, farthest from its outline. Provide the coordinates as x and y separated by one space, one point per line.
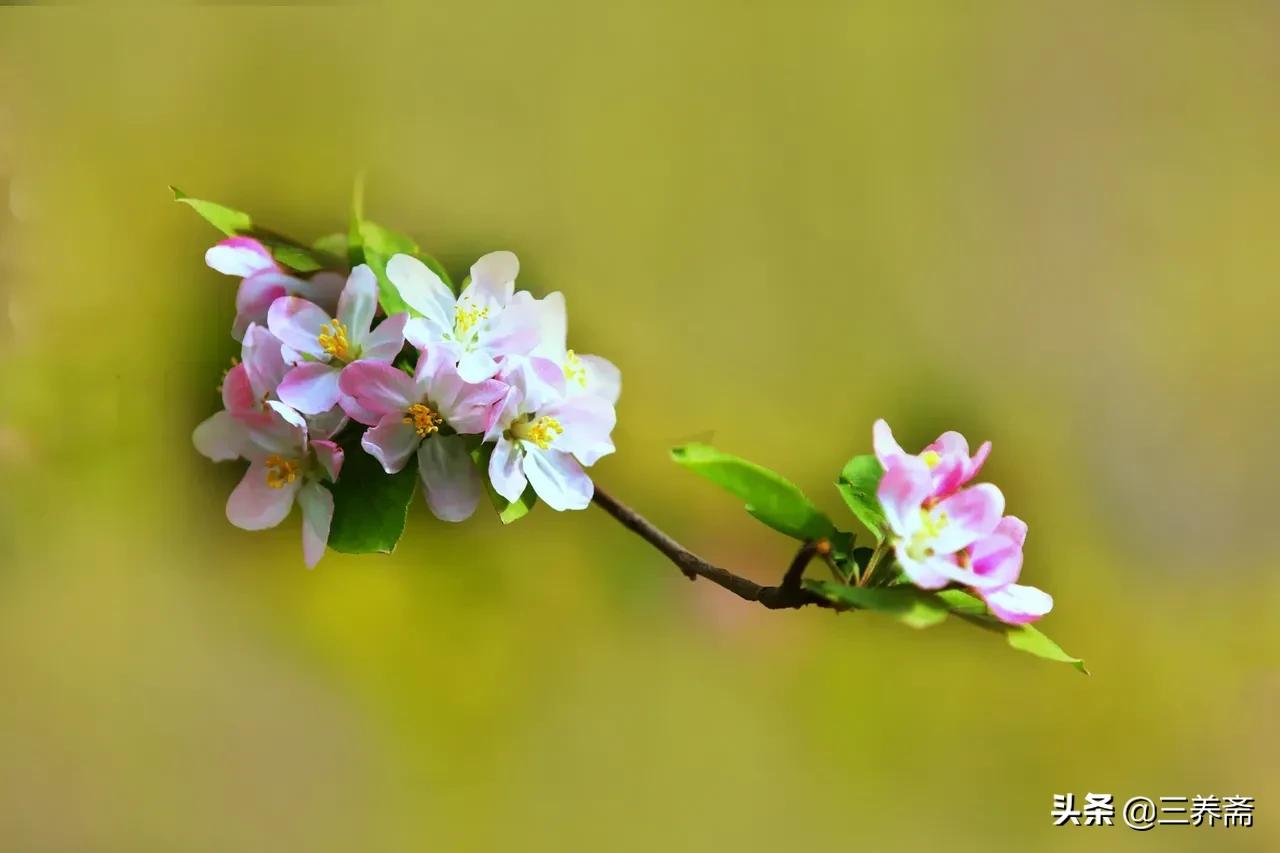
280 471
574 370
931 526
466 316
423 419
931 458
333 340
541 432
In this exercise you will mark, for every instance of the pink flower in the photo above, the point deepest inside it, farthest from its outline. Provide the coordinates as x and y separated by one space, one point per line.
287 464
245 390
947 459
927 533
321 346
265 281
410 413
997 558
544 438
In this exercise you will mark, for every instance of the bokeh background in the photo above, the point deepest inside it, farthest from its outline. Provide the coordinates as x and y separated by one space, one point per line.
1052 225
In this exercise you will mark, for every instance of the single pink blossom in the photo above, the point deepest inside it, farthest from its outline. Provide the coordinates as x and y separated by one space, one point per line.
321 346
947 459
425 413
264 281
287 463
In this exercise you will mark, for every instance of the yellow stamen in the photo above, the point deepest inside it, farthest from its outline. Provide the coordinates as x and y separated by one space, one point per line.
280 471
574 369
235 362
931 526
466 315
931 458
333 340
541 432
423 420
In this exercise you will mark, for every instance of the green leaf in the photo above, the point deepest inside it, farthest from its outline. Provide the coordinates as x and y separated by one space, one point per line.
908 605
227 220
769 497
857 485
369 505
331 244
1024 638
508 511
379 244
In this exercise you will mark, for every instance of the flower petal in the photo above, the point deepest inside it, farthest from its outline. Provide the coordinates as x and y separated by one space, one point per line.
1013 527
885 445
970 514
996 558
558 478
493 279
263 361
311 387
379 387
477 366
254 298
324 288
237 391
219 437
255 505
240 256
929 573
330 456
1018 605
317 514
506 470
423 291
358 303
385 342
450 482
587 421
603 379
391 442
298 324
902 491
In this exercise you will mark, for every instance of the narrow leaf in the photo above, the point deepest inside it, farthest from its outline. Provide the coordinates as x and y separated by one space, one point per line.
910 606
227 220
858 484
769 497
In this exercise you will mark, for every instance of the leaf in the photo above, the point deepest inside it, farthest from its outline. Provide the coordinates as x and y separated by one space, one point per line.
227 220
331 244
1024 638
769 497
857 485
908 605
508 511
369 505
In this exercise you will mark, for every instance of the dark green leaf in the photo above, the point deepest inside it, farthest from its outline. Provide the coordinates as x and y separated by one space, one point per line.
508 511
769 497
908 605
227 220
369 505
857 485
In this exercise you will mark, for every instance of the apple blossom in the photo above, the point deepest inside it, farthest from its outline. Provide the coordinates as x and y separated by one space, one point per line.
997 559
584 374
481 326
947 458
264 281
288 463
245 391
320 346
426 413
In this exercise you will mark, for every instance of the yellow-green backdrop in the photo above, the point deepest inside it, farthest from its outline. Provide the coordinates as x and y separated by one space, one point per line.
1052 225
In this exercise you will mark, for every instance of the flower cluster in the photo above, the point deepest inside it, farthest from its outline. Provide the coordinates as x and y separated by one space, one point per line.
945 531
435 383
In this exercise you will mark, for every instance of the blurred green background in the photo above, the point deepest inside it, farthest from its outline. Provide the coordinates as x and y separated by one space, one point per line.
1047 224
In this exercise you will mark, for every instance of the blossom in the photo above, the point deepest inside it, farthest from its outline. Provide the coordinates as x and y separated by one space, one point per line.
584 374
320 346
425 413
264 281
287 464
481 326
927 532
543 438
245 391
997 558
947 459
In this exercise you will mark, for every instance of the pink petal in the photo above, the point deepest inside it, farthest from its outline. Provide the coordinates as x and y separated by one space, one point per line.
311 387
263 361
391 442
354 410
254 297
451 483
323 289
996 558
237 391
506 470
970 514
885 445
1018 605
557 478
254 505
902 492
588 422
240 256
358 303
317 513
1013 527
220 437
378 387
469 408
298 324
330 457
385 342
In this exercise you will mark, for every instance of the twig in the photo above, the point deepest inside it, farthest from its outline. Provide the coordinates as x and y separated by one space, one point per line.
788 595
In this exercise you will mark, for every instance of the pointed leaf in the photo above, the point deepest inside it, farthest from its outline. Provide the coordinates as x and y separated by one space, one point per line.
769 497
857 485
1024 638
227 220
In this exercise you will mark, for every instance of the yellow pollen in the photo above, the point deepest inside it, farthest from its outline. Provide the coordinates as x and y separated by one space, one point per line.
280 471
574 370
930 458
235 362
423 420
333 340
465 316
931 526
541 432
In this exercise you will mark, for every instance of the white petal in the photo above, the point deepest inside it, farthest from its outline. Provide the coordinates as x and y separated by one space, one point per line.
450 481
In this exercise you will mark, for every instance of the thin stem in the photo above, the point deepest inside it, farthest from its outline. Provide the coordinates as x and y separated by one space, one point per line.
790 594
873 561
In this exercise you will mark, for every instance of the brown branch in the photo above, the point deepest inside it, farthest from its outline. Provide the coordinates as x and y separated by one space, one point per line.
789 594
